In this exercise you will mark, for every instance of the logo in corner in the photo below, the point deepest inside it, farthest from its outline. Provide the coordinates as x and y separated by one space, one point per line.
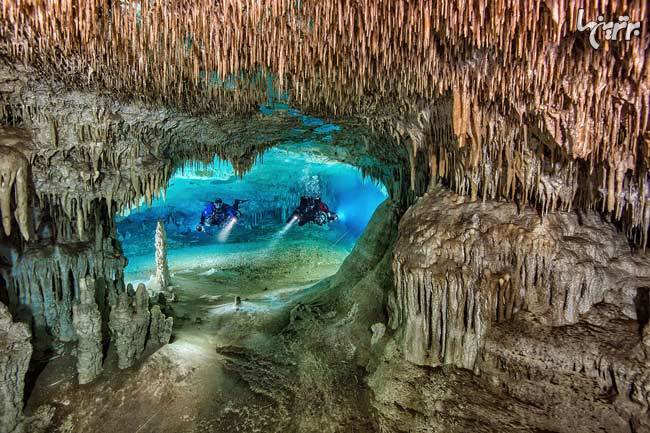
622 29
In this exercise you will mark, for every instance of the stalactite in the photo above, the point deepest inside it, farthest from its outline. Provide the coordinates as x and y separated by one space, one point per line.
14 181
34 276
367 59
461 267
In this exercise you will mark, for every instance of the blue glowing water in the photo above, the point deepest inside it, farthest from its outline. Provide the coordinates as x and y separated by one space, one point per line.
273 187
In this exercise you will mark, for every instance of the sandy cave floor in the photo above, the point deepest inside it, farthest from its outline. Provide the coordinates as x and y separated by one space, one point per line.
226 369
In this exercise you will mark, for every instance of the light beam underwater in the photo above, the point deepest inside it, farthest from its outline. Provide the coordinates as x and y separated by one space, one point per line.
225 232
280 234
288 225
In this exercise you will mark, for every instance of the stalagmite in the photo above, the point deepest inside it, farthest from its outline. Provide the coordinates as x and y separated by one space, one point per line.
162 268
378 331
160 328
87 324
15 352
129 323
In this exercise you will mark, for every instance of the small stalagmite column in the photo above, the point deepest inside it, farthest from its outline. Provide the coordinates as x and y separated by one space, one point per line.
129 323
15 352
87 322
162 267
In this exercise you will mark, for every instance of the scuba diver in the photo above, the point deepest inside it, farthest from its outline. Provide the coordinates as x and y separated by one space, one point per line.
312 210
218 213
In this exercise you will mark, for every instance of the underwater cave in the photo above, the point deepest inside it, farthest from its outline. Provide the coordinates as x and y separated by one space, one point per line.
324 216
231 282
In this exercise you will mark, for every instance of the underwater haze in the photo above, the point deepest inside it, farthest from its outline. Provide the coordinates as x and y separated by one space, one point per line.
273 187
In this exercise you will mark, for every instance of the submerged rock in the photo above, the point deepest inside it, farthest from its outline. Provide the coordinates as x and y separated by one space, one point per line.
378 331
129 323
135 326
160 328
87 322
538 319
162 278
15 352
461 268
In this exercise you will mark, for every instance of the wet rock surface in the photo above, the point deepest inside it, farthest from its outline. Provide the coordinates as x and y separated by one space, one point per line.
160 328
529 314
15 352
129 323
162 278
463 266
87 322
546 312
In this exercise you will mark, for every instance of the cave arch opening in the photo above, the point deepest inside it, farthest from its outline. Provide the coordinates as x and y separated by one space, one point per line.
266 258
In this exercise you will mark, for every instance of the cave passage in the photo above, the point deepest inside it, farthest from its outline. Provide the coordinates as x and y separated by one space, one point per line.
261 254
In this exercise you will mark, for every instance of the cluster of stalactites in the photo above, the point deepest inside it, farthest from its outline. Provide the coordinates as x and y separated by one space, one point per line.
461 267
333 54
46 282
524 60
73 214
478 152
14 191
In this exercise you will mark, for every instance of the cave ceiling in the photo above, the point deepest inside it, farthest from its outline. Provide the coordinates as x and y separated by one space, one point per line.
497 100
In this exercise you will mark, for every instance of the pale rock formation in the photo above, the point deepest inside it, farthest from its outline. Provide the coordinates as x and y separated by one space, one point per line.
160 328
14 181
543 315
15 352
461 267
129 323
646 342
378 331
162 278
87 322
45 280
502 82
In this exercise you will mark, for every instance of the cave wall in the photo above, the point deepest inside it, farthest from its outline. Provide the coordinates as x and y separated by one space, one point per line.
545 309
70 161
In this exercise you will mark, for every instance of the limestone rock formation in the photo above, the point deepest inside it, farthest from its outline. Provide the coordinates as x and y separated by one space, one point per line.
521 106
87 322
45 279
511 314
546 310
461 267
15 180
129 323
136 327
378 331
15 352
162 278
160 328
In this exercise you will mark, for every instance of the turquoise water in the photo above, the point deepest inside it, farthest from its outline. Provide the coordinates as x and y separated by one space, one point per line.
273 186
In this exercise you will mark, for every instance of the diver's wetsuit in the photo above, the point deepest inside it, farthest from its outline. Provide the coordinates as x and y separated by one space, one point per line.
208 213
214 215
312 209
